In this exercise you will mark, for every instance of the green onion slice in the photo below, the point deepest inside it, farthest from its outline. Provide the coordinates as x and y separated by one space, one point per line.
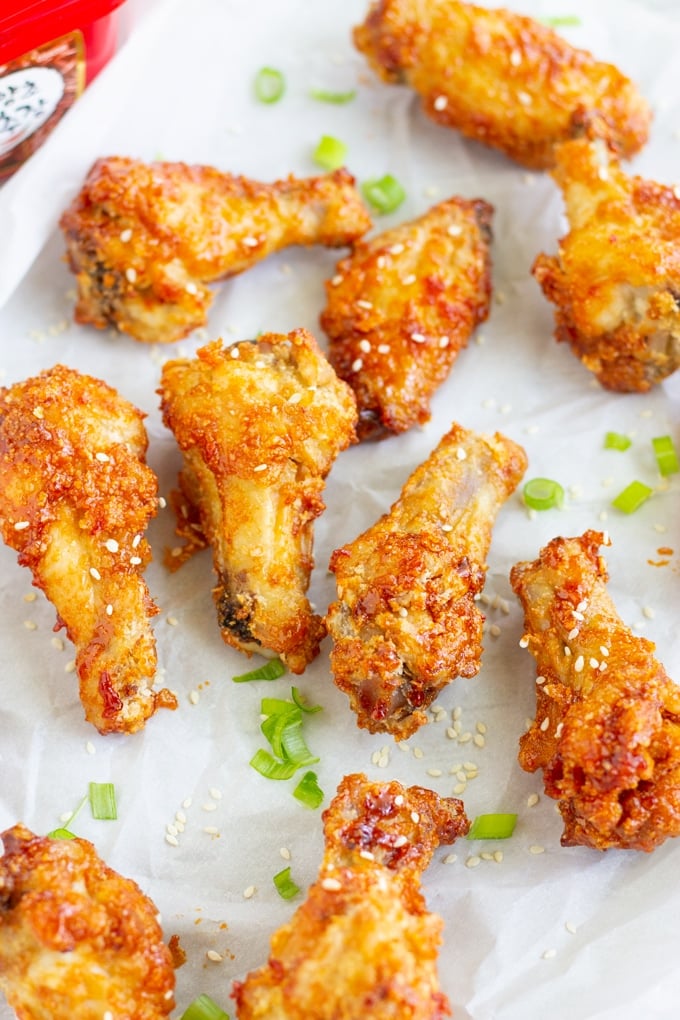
204 1008
543 494
666 455
269 85
302 703
285 886
266 764
103 801
61 834
294 746
330 153
271 670
339 98
616 441
385 194
632 497
308 791
561 20
495 826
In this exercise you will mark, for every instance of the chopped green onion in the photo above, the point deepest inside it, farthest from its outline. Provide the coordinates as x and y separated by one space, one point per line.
496 826
282 727
302 702
632 497
666 455
308 791
271 670
385 194
339 98
277 706
61 834
274 727
330 153
204 1008
103 801
561 20
294 746
616 441
269 85
285 886
543 494
267 765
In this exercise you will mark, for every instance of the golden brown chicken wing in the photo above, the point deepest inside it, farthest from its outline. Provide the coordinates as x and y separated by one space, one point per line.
403 305
406 623
144 240
607 726
77 940
500 78
260 424
363 944
75 499
616 278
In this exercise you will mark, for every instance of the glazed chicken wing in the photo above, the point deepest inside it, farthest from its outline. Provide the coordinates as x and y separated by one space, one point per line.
500 78
607 726
75 499
77 940
616 278
403 305
363 944
260 424
145 240
406 623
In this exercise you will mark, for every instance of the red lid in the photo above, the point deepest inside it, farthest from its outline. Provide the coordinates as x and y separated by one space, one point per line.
25 24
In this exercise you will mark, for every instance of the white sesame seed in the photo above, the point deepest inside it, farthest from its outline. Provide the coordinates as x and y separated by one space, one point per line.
461 454
524 642
544 725
435 773
57 643
215 793
21 525
103 458
396 249
532 800
111 545
573 633
415 817
451 733
194 697
90 748
401 840
209 806
454 230
457 712
260 467
181 817
30 625
251 242
172 621
440 103
70 666
213 955
604 651
447 527
364 304
365 346
443 342
138 538
567 651
249 892
135 560
191 287
130 275
464 737
571 927
408 280
648 612
450 859
549 954
593 662
578 664
126 235
558 729
357 365
187 802
473 861
498 856
367 855
171 829
536 848
418 338
331 884
336 281
399 800
285 853
172 840
94 573
383 348
109 609
516 58
478 740
234 352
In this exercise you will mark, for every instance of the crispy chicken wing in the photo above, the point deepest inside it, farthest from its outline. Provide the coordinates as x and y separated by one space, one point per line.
607 726
616 278
145 240
406 623
260 424
77 940
500 78
75 499
363 944
403 305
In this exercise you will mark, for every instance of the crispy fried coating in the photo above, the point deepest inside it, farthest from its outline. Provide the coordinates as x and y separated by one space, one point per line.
616 278
498 77
363 943
402 306
75 499
607 726
77 940
405 622
145 240
260 424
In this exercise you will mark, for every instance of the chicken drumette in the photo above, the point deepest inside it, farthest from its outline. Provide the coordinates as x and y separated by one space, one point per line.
406 622
260 424
144 240
402 306
500 78
75 499
77 940
363 944
616 278
607 726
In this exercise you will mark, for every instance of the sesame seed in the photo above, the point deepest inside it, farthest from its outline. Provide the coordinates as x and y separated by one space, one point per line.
648 612
260 467
470 766
172 621
251 242
111 545
544 725
367 855
331 884
21 525
443 342
447 527
558 729
383 348
549 954
593 662
364 304
399 800
567 651
604 651
336 281
450 859
135 561
498 856
213 955
181 817
464 737
57 643
454 230
285 853
191 288
524 642
457 712
187 802
365 346
440 103
249 892
130 275
138 538
396 249
571 927
578 664
573 633
408 280
194 697
171 829
94 573
211 830
126 235
532 800
473 861
30 625
516 58
109 609
461 454
415 817
30 596
536 848
90 748
435 773
172 840
357 365
401 840
481 727
209 806
70 666
103 458
234 352
418 338
451 733
478 740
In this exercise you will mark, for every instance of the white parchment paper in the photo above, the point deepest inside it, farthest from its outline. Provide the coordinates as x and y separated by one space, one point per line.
568 933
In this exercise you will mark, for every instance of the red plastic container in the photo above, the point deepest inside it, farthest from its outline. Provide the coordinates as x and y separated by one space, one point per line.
49 51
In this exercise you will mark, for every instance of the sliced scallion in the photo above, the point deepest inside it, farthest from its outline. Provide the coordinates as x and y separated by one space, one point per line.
330 153
269 85
666 455
61 833
543 494
285 886
561 20
302 702
204 1008
338 98
616 441
384 194
294 746
493 826
308 791
266 764
103 801
632 497
271 670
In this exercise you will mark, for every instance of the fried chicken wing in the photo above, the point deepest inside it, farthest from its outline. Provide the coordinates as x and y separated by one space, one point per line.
363 943
77 940
75 499
607 726
616 278
498 77
403 305
406 623
260 424
145 240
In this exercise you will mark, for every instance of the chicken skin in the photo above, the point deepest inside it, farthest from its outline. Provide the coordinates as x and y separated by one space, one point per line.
363 943
75 499
145 240
616 278
402 306
607 726
498 77
406 622
260 424
77 940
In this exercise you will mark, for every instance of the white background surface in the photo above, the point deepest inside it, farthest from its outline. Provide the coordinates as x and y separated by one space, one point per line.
181 89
